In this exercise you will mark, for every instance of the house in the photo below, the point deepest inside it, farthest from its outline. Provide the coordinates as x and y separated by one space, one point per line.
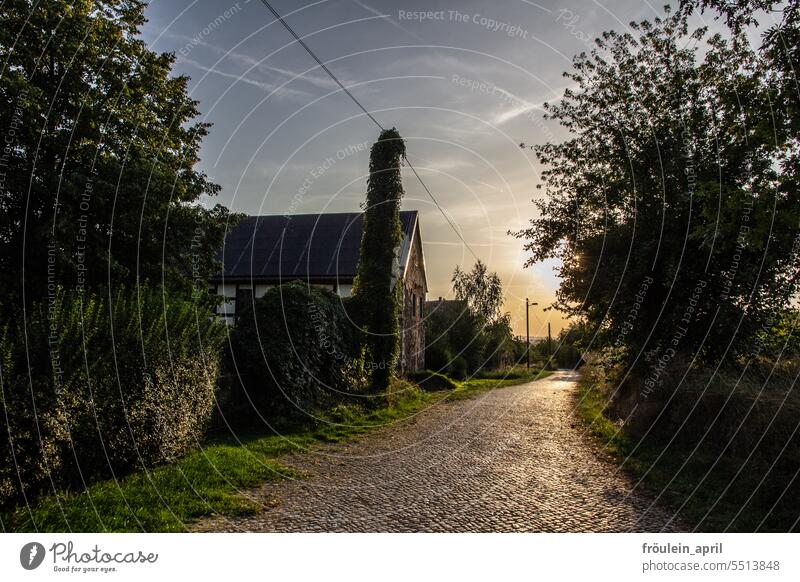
321 249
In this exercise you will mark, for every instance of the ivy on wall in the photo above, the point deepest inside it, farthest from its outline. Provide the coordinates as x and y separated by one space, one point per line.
376 297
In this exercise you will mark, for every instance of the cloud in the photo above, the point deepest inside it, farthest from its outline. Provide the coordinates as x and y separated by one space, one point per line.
389 19
521 106
268 87
252 63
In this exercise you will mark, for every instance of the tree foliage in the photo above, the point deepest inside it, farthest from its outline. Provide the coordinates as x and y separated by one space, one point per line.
376 292
455 342
93 386
673 205
500 348
293 351
481 290
98 179
470 333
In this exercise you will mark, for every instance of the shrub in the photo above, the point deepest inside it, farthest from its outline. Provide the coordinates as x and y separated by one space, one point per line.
438 356
293 350
432 381
93 386
400 391
459 369
721 444
729 412
452 332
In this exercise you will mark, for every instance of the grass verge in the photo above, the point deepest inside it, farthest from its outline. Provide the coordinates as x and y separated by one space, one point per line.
211 480
738 488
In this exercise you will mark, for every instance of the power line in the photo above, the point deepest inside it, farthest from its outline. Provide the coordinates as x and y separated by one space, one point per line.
368 114
447 218
319 62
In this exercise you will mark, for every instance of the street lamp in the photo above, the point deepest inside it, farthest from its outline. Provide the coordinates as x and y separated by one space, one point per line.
528 332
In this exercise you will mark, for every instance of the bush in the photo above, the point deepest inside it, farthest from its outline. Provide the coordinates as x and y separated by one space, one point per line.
729 412
500 348
93 387
293 350
438 356
721 444
459 368
432 381
400 391
452 333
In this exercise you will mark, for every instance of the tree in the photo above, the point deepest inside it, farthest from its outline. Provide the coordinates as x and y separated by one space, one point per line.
455 339
376 292
470 333
482 291
672 206
98 185
500 347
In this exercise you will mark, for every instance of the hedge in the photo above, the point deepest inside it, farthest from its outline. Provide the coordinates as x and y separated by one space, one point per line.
94 387
293 351
432 381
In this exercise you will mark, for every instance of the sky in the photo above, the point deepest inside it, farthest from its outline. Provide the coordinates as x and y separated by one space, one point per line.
463 82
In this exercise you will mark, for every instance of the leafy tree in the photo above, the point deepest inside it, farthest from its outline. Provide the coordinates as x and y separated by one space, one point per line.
455 339
781 340
673 206
500 348
98 185
481 290
470 333
376 292
94 386
780 49
569 345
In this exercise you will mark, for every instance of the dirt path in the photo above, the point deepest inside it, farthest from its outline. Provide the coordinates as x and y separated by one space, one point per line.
513 459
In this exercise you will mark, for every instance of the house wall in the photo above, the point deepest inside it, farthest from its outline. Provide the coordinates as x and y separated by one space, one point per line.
227 310
412 351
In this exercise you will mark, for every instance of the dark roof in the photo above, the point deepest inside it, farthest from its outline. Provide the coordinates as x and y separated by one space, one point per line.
303 246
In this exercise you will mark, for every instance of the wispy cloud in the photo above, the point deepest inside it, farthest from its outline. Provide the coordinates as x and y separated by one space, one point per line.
520 106
442 164
472 244
254 64
268 87
489 186
389 19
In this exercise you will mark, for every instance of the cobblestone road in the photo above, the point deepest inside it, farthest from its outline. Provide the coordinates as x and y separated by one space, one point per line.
513 459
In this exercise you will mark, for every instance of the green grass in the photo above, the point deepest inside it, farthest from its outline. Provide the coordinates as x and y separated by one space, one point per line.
213 479
712 490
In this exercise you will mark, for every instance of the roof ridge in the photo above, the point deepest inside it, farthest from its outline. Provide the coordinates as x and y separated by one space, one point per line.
318 214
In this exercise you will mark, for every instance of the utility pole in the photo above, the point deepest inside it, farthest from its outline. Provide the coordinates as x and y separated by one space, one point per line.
549 341
528 332
527 336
